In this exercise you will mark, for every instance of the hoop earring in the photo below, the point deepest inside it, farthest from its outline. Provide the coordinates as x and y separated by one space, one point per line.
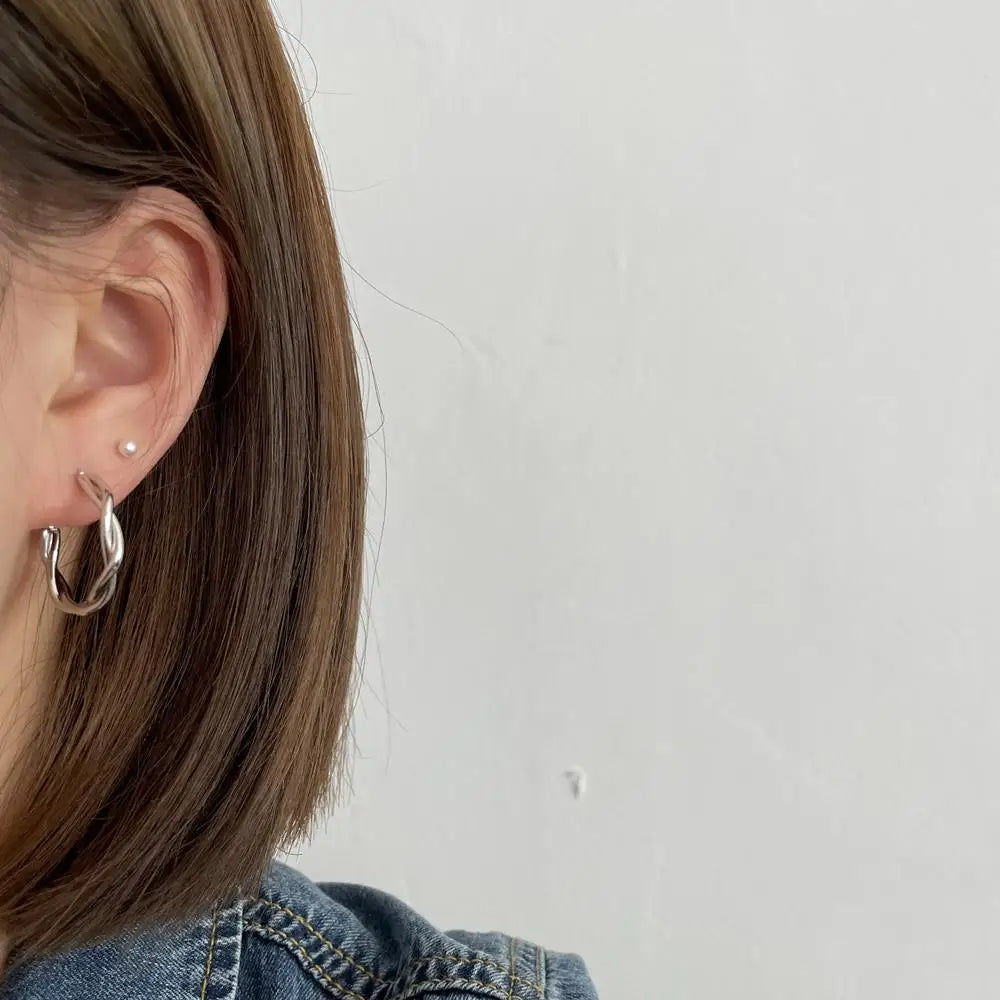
112 545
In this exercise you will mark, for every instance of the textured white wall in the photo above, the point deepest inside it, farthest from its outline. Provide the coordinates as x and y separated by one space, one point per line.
701 495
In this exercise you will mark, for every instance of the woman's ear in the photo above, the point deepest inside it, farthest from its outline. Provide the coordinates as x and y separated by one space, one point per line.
142 308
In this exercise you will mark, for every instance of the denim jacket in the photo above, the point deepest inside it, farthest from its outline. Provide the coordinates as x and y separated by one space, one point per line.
302 940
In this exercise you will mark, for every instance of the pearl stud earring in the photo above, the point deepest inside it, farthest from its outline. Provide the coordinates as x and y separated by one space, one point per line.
128 448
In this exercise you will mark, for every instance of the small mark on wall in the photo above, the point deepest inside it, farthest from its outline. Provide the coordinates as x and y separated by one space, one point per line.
576 778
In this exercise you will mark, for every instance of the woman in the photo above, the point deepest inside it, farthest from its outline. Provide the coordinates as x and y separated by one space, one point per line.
178 372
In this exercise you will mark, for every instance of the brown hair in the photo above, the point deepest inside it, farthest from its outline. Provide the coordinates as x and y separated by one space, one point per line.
196 724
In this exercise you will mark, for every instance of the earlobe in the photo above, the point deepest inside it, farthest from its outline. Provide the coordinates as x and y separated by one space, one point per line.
147 329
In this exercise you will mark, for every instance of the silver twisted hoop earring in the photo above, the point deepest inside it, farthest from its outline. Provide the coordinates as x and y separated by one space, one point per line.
112 545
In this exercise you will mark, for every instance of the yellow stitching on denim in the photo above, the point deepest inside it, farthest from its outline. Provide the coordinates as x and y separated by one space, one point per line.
251 925
452 984
337 951
473 959
211 951
468 960
440 983
539 989
521 979
513 967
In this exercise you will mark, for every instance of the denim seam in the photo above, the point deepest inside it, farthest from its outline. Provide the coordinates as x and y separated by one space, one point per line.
470 960
337 951
310 961
211 952
466 959
484 989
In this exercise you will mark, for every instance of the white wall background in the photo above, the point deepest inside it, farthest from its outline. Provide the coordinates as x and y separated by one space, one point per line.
701 494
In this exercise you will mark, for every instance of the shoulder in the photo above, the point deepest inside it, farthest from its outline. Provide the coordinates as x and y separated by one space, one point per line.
302 940
306 939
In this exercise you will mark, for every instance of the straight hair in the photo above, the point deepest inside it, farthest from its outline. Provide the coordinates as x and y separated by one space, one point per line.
197 723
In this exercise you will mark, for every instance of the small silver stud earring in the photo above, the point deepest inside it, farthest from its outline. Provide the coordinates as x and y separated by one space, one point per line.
128 448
